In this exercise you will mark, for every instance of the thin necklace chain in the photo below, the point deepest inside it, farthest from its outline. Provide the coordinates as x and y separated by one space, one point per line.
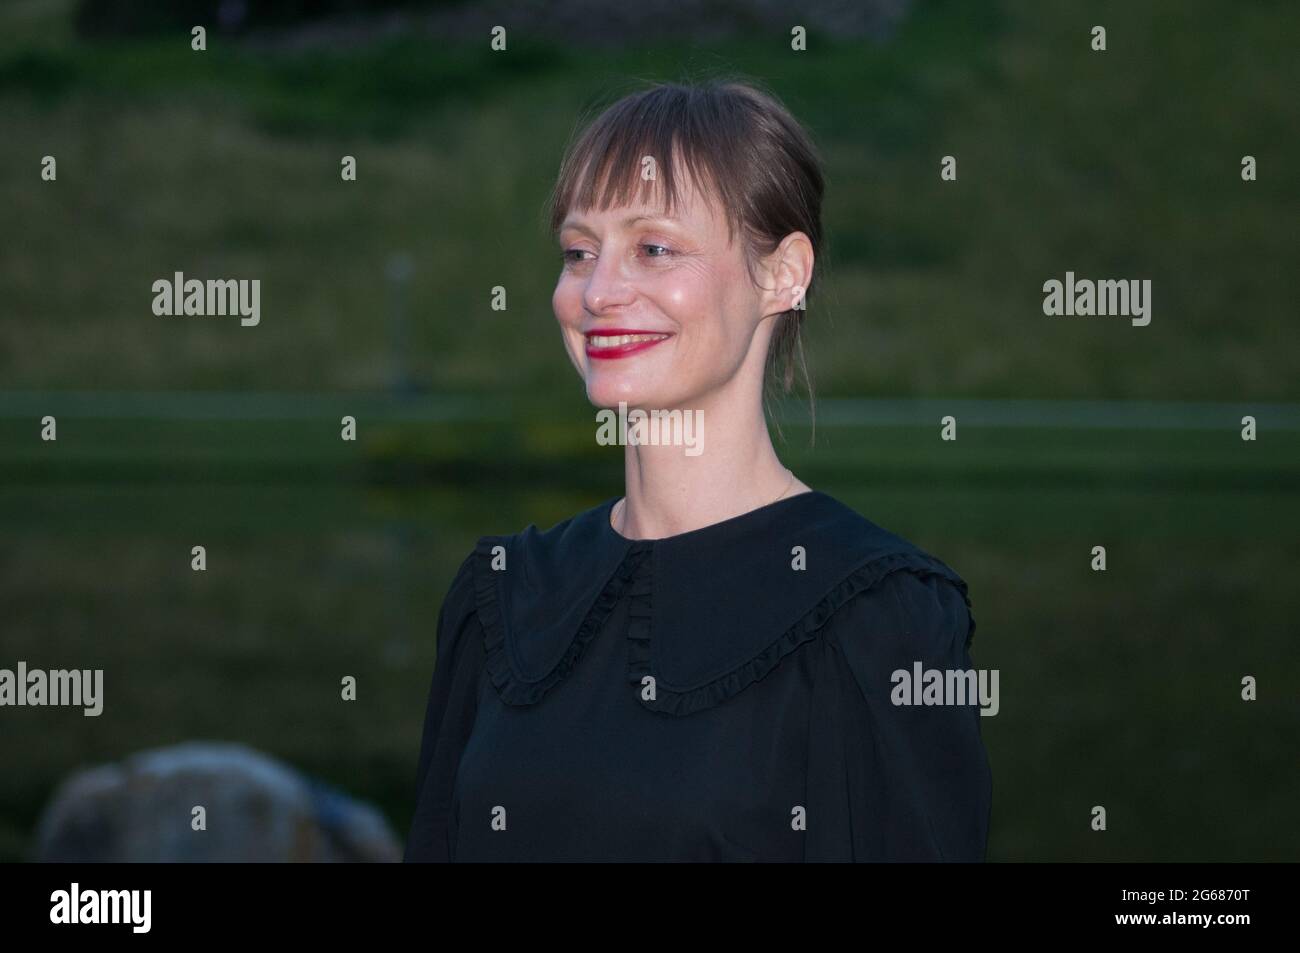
618 507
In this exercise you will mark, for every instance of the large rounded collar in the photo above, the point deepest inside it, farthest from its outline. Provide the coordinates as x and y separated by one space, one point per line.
711 610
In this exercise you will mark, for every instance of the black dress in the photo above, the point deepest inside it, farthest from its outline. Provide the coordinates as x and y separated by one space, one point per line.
720 695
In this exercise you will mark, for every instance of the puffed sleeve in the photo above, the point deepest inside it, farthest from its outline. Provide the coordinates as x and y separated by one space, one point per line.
886 781
448 719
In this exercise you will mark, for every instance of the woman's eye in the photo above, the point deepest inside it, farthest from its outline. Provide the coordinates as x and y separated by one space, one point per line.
568 254
664 248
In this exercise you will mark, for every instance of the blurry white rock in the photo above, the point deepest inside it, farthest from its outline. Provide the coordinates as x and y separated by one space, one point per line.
258 809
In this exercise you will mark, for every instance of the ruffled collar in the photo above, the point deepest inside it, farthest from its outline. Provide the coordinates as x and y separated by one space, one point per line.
710 612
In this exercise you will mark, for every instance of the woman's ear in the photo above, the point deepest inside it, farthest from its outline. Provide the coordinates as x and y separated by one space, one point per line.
786 274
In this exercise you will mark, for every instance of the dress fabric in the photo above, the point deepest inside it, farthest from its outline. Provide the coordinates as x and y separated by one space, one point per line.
727 694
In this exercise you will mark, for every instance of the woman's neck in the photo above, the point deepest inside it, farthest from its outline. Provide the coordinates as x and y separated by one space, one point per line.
669 491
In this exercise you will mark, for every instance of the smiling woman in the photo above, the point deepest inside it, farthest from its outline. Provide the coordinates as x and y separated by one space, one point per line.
739 187
702 668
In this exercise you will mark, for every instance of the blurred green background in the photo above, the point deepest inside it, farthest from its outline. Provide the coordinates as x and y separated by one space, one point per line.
329 558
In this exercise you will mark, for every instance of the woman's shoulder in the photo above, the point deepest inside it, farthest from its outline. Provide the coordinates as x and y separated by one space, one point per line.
459 603
886 583
839 552
545 562
584 536
912 609
462 581
837 524
540 595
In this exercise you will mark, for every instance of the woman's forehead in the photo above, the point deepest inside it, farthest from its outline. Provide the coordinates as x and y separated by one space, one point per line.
691 208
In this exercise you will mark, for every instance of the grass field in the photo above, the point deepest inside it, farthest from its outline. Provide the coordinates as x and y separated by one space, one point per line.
1123 164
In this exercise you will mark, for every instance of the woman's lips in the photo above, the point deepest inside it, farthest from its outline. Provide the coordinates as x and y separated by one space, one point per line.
614 343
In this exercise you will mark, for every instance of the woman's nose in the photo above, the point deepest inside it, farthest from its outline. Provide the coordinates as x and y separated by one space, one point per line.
607 286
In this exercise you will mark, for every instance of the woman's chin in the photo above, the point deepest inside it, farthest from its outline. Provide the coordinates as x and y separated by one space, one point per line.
604 390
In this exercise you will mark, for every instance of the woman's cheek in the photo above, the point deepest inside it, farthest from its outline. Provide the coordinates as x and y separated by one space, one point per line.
702 336
562 305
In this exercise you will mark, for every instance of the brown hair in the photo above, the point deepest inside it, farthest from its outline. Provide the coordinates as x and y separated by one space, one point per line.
733 136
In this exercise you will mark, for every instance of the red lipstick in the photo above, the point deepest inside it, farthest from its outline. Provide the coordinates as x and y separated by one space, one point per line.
613 343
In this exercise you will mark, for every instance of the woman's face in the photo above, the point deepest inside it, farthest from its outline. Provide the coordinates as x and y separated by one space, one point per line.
658 312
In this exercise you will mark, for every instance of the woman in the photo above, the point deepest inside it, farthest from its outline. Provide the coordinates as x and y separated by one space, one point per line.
703 668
